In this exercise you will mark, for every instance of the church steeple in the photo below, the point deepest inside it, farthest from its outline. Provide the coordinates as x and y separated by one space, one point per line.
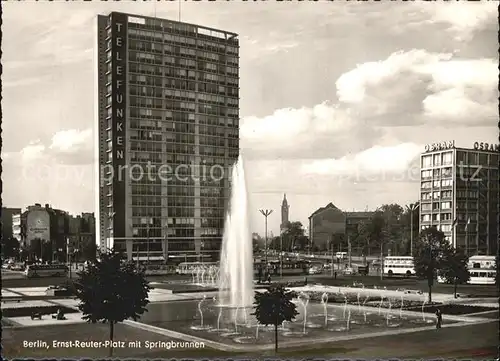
284 212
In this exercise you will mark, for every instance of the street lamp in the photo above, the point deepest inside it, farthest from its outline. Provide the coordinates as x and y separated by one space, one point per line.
147 242
166 244
281 253
266 213
412 208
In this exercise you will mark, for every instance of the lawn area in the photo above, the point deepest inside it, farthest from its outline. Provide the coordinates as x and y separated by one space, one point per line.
12 342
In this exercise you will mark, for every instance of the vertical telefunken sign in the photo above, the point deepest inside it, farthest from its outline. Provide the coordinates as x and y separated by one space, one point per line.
119 58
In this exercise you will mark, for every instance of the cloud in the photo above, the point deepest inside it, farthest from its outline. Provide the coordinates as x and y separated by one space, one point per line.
464 19
71 147
373 164
321 131
32 152
417 86
71 141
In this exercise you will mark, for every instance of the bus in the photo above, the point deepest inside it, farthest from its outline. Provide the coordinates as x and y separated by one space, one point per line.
478 276
482 270
341 255
46 270
399 265
482 276
483 262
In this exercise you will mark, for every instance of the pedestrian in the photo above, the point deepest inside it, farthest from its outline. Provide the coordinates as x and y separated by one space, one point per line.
335 274
439 318
260 274
269 277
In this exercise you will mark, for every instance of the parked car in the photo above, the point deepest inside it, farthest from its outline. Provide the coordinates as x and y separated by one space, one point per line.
17 267
348 271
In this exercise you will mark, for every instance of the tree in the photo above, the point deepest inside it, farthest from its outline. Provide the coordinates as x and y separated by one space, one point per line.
111 291
430 250
454 268
89 250
257 242
273 307
393 227
10 248
376 232
406 225
291 234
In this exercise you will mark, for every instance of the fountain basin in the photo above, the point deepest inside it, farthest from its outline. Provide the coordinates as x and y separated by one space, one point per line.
183 317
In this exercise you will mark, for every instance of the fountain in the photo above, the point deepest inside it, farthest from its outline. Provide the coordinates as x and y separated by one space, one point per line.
345 304
221 319
402 304
380 304
200 311
236 264
348 320
218 318
304 301
388 313
236 318
364 308
324 301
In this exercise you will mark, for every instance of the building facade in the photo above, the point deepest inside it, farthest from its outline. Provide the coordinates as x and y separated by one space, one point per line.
50 233
168 120
331 224
459 195
81 232
7 224
285 213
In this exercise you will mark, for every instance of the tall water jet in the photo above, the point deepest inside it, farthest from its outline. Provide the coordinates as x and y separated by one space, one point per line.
236 261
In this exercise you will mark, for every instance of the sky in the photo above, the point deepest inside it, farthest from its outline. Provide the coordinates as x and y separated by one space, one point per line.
337 99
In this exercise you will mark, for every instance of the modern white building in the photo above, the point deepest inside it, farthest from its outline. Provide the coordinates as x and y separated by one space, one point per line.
459 194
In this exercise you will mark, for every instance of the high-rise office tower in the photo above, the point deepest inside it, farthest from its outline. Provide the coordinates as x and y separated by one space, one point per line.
459 195
166 135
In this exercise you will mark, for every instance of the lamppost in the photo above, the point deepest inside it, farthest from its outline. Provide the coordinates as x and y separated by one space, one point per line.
166 243
266 213
281 252
412 208
331 246
147 242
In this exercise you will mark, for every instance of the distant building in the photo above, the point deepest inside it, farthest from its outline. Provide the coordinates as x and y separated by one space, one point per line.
54 226
81 231
7 214
459 195
285 209
330 223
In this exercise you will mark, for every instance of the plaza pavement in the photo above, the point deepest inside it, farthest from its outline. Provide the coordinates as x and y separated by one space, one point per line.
155 295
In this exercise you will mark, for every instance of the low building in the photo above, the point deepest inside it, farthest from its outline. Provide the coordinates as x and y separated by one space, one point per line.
330 224
54 228
7 214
